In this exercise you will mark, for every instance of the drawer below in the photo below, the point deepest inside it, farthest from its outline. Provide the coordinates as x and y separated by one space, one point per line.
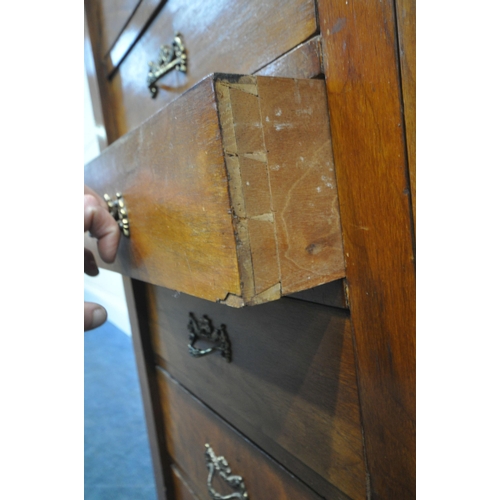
190 426
290 386
182 490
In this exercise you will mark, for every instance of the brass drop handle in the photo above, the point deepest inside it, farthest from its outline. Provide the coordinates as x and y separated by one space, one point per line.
219 465
204 330
173 57
119 212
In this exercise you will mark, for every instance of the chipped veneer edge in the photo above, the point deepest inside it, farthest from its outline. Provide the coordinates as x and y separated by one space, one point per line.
235 194
246 84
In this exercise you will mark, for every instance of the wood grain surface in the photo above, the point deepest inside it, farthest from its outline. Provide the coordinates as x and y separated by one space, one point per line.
364 94
95 47
224 36
114 15
137 24
182 490
190 425
230 190
174 182
95 97
282 185
303 61
144 356
303 184
407 32
290 387
229 36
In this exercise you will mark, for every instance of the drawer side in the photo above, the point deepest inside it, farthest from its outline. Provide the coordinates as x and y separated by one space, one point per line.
172 175
277 148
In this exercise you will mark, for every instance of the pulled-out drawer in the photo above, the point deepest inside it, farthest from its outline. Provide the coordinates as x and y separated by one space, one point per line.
290 385
230 191
216 459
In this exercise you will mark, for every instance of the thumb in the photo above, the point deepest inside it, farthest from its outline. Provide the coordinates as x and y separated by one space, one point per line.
95 315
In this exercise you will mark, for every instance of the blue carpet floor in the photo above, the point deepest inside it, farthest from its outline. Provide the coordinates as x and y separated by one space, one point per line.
117 456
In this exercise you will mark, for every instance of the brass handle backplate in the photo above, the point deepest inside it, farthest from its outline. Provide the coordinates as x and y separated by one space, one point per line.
204 330
220 466
171 58
119 212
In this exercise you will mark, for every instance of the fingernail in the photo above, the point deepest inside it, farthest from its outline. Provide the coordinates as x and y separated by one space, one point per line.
98 316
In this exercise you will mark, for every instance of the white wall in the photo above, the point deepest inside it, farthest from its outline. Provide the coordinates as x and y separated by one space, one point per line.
106 288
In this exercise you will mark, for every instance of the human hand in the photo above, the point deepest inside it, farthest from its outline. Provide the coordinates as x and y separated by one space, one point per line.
101 225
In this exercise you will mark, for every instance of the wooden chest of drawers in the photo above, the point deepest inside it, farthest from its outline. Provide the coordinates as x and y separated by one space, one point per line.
313 396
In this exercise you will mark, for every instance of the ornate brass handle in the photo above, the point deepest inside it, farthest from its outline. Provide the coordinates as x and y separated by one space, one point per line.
171 58
203 329
220 466
119 212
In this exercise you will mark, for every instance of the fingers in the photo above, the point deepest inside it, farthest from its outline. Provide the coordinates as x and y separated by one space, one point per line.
95 315
90 265
101 201
102 226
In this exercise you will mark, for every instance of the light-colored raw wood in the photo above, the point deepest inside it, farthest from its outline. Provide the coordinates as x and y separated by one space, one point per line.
303 184
275 129
230 191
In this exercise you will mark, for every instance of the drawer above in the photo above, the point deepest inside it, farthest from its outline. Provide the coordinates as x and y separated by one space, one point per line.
219 36
230 191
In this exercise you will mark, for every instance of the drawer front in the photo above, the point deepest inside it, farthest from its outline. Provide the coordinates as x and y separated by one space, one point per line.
137 24
190 426
182 490
290 386
230 191
114 17
219 36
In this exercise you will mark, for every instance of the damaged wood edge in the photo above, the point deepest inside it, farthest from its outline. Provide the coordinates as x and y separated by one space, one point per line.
245 83
272 293
222 86
237 202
